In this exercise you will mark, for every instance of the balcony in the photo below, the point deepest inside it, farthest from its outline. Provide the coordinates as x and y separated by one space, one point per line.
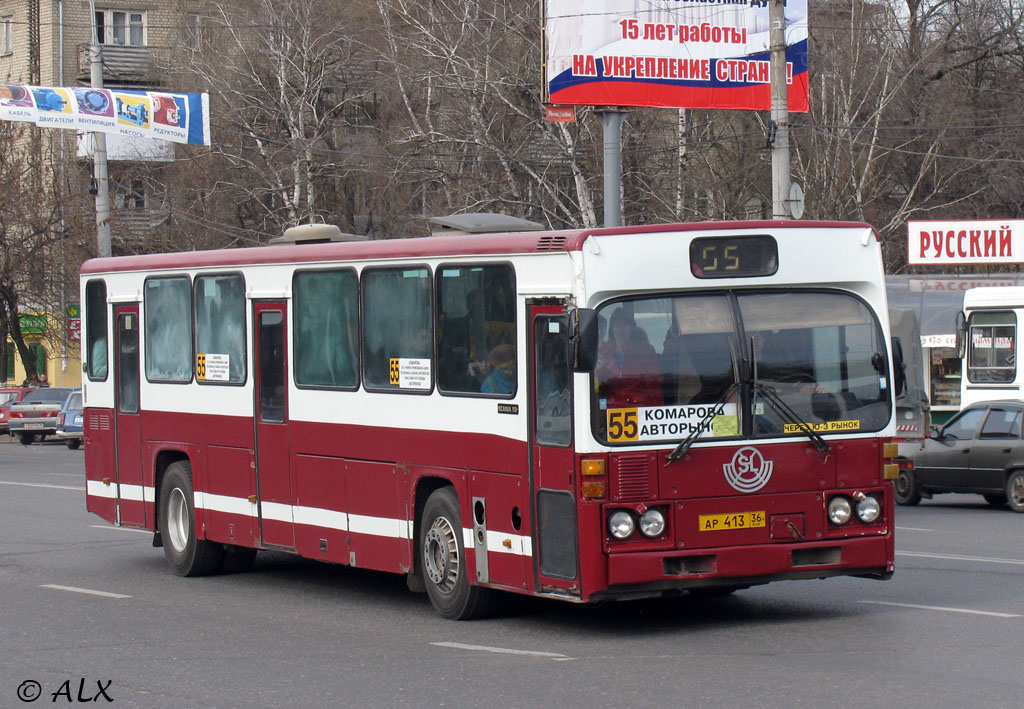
123 65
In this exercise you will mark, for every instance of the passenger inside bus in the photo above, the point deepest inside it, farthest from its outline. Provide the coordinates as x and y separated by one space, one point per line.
502 379
627 365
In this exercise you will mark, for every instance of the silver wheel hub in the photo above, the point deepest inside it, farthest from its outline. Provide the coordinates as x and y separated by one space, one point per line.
1017 491
178 522
441 555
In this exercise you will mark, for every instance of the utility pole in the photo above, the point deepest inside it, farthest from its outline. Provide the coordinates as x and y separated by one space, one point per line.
99 153
611 122
780 109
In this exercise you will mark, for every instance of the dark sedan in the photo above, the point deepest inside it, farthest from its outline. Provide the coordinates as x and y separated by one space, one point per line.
980 451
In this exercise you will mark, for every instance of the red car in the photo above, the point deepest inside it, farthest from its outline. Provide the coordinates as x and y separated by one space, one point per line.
7 397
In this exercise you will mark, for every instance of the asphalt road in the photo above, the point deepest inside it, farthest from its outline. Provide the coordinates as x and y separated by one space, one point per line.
90 612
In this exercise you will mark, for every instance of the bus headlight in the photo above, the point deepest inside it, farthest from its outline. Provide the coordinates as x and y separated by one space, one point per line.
868 510
652 523
620 524
839 511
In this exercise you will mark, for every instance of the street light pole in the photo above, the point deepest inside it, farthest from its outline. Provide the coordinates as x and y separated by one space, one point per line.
780 109
99 154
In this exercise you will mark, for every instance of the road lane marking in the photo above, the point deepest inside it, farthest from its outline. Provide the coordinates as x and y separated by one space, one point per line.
120 529
87 591
955 557
914 529
941 608
54 487
504 651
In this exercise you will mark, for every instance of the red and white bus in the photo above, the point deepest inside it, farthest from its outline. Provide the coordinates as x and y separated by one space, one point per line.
583 415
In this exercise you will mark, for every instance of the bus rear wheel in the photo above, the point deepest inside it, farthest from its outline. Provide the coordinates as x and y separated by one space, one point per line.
187 555
443 560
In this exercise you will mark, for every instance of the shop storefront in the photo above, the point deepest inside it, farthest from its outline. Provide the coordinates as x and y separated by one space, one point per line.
937 299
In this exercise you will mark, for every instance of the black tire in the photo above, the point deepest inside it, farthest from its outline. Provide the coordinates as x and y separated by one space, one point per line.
443 560
995 500
74 443
237 559
1015 491
27 439
906 492
187 555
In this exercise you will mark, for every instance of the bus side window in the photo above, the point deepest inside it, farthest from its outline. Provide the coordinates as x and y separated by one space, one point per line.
397 326
220 323
96 329
476 329
168 331
326 339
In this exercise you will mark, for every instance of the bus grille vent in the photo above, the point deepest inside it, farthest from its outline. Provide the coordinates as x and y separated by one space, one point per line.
631 477
551 243
99 422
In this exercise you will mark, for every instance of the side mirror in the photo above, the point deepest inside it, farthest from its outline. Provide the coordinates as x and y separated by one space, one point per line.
899 368
583 339
961 335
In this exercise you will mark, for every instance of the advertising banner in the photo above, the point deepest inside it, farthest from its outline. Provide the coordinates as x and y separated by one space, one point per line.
670 53
179 118
959 242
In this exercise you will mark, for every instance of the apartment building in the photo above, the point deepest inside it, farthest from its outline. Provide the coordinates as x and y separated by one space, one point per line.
46 43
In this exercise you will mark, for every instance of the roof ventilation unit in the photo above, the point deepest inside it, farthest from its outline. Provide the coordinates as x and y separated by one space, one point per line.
480 223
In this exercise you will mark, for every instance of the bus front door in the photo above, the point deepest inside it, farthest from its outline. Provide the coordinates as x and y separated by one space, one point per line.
131 505
556 557
273 470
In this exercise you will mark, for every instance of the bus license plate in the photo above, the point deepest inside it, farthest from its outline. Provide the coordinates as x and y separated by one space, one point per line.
34 425
735 520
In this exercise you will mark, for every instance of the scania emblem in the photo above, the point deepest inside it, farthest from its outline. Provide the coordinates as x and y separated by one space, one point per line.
748 471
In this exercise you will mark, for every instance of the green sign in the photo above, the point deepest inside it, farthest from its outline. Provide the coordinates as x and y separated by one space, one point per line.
33 324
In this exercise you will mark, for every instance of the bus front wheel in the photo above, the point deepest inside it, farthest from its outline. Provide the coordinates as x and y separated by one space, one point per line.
187 555
443 560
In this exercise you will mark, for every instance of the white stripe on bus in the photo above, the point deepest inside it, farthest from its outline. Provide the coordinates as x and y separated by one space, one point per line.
386 527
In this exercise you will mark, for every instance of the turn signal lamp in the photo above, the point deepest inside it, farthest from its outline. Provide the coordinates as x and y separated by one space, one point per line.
890 450
591 467
592 489
891 471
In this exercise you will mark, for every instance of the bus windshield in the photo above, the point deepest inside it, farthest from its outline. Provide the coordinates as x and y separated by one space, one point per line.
794 361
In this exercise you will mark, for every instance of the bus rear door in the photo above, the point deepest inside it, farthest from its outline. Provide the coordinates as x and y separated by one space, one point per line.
127 421
273 471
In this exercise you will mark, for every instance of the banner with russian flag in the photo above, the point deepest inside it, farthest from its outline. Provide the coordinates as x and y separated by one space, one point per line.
177 117
670 53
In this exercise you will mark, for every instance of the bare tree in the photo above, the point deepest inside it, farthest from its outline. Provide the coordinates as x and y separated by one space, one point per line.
38 253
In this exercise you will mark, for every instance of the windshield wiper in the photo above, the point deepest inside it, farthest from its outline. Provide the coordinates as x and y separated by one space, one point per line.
783 409
685 444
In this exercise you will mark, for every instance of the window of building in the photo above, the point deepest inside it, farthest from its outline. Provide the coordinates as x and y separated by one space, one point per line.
130 194
168 303
192 36
398 332
476 329
96 329
7 35
121 27
326 328
220 329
